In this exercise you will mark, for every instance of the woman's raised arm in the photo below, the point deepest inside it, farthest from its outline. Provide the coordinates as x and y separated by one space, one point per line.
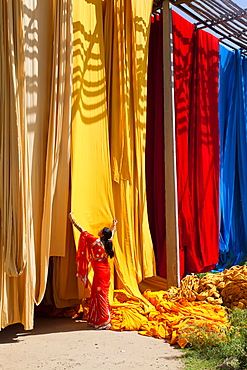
73 221
114 227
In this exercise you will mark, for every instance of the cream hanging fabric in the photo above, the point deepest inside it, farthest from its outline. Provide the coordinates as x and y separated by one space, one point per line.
17 270
56 190
38 26
66 287
48 66
36 78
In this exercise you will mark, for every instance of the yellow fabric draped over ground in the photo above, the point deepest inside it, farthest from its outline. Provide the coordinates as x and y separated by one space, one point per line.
109 95
167 319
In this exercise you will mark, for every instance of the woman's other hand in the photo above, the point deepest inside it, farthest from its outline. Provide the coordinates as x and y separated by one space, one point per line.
71 218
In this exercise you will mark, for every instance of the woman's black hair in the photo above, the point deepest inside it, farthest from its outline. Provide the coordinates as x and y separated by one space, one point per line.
107 243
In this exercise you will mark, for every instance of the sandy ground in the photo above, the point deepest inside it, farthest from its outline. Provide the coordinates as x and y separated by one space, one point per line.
61 343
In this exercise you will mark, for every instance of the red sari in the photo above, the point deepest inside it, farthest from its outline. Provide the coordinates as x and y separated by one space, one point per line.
92 250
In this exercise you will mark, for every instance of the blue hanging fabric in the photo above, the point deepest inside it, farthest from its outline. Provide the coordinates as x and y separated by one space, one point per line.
227 124
233 151
241 98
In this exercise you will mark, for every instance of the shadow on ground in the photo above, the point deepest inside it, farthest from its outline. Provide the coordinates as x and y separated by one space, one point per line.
42 325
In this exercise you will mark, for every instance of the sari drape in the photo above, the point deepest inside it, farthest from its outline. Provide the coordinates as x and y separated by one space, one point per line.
91 251
99 308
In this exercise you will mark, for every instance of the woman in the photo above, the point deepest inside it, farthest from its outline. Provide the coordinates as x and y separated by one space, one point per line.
96 250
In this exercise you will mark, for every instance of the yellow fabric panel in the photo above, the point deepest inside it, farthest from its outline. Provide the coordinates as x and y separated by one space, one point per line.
64 280
48 32
127 25
14 171
17 264
101 68
118 24
58 154
35 90
38 22
141 27
92 201
153 283
55 207
17 298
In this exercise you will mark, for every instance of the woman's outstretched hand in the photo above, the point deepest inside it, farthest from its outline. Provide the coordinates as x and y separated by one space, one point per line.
114 227
71 217
73 221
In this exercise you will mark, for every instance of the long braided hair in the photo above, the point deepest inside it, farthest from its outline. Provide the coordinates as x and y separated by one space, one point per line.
107 234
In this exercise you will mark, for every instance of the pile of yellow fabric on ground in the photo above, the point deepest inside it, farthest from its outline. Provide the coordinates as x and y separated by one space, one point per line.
166 319
171 318
127 312
228 287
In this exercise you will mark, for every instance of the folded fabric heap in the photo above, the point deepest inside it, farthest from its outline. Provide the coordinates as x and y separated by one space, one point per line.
167 319
228 287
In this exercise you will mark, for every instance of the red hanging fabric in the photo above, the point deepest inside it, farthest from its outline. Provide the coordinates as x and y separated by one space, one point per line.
155 175
196 57
204 150
183 62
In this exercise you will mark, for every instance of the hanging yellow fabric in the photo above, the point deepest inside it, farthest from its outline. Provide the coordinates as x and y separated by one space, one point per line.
92 199
35 90
126 41
38 26
116 66
17 270
65 289
56 191
14 148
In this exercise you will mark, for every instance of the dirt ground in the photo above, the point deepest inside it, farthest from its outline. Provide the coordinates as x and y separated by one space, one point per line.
61 343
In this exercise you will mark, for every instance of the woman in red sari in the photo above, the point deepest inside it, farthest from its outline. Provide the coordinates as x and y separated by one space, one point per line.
96 251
